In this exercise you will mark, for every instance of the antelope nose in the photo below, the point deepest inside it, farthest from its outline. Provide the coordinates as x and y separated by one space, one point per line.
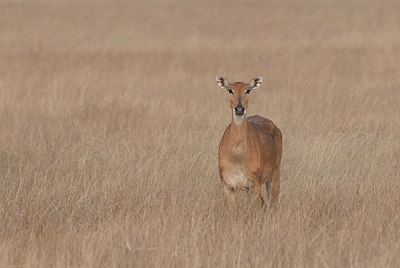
239 110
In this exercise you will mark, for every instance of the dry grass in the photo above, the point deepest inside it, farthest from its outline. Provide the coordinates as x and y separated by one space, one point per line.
111 119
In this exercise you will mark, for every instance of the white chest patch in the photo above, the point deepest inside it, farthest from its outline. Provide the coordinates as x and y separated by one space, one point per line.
237 181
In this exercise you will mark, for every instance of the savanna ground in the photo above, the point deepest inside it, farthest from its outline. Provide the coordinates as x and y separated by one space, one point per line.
110 120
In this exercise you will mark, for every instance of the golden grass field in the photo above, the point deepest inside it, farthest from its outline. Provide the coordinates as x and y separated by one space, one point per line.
111 120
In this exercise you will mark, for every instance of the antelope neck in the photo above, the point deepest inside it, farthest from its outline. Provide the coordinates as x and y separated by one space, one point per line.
238 133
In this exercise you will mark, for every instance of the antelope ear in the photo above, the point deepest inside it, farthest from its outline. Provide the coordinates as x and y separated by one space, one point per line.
223 82
255 83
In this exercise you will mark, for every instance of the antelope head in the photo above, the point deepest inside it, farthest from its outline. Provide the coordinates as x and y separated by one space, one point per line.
238 95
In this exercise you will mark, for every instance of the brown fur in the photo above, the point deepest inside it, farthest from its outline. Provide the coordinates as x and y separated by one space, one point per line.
250 153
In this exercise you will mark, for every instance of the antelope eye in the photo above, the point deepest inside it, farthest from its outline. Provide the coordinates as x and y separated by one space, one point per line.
230 91
248 91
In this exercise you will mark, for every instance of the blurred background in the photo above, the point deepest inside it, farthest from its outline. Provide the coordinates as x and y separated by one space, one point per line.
111 120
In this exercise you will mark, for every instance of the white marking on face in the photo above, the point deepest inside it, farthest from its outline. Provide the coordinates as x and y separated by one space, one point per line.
238 118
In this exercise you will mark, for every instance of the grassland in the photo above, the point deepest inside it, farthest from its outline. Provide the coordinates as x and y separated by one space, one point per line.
110 120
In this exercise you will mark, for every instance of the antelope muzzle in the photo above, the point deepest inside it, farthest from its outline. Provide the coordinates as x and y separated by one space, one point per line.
239 110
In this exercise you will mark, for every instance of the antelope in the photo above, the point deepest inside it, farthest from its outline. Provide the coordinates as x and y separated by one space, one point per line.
250 151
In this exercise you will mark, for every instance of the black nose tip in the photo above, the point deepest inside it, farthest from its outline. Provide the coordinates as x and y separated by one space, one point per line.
239 110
